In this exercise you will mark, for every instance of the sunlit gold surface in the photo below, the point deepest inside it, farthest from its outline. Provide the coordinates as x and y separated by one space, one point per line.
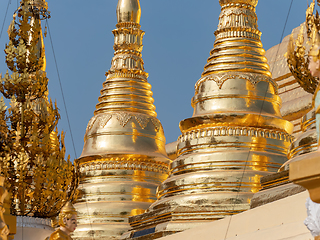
307 141
123 158
129 11
235 136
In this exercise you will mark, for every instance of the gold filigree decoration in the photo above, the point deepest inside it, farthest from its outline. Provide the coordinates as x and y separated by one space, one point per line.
142 120
235 131
91 123
123 118
135 74
156 123
100 121
296 55
125 163
103 120
248 18
221 78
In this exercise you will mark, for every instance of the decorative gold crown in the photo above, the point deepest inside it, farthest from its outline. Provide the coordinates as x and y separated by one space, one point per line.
68 208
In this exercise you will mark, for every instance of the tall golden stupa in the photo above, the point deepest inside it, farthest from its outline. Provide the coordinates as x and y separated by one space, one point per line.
123 159
235 136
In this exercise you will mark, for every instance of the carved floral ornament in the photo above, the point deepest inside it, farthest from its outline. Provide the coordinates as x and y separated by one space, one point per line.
135 74
221 78
243 15
136 60
123 118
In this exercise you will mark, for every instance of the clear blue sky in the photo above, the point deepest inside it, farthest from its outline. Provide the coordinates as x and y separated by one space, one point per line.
179 36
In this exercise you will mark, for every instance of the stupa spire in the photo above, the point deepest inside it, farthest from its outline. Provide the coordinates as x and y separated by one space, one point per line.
235 136
126 88
123 158
242 55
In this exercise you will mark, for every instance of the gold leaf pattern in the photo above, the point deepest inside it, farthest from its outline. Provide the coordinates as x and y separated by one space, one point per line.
123 118
220 79
142 120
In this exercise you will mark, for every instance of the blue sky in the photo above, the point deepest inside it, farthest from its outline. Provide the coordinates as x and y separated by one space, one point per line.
179 37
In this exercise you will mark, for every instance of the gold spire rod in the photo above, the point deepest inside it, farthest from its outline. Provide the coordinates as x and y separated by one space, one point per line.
129 11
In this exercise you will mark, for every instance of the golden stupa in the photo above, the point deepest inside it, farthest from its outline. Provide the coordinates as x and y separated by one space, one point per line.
235 136
123 158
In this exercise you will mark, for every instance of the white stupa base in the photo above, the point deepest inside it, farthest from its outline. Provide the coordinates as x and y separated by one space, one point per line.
30 228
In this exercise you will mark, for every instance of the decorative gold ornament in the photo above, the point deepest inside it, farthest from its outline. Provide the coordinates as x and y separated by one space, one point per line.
39 180
297 58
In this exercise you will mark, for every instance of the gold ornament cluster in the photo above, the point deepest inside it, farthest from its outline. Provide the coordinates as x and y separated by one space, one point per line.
32 152
297 55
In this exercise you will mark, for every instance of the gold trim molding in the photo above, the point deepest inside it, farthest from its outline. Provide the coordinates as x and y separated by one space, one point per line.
221 78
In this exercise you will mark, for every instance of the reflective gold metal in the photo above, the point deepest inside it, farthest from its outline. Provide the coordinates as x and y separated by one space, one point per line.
307 141
235 136
39 180
123 158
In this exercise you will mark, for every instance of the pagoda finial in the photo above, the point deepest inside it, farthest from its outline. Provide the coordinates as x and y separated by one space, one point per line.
128 11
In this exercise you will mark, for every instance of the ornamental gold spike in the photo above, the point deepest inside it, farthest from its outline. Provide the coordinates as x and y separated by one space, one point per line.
297 53
235 136
123 158
39 179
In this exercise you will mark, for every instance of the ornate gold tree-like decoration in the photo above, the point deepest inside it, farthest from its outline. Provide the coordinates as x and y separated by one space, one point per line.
39 179
297 59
